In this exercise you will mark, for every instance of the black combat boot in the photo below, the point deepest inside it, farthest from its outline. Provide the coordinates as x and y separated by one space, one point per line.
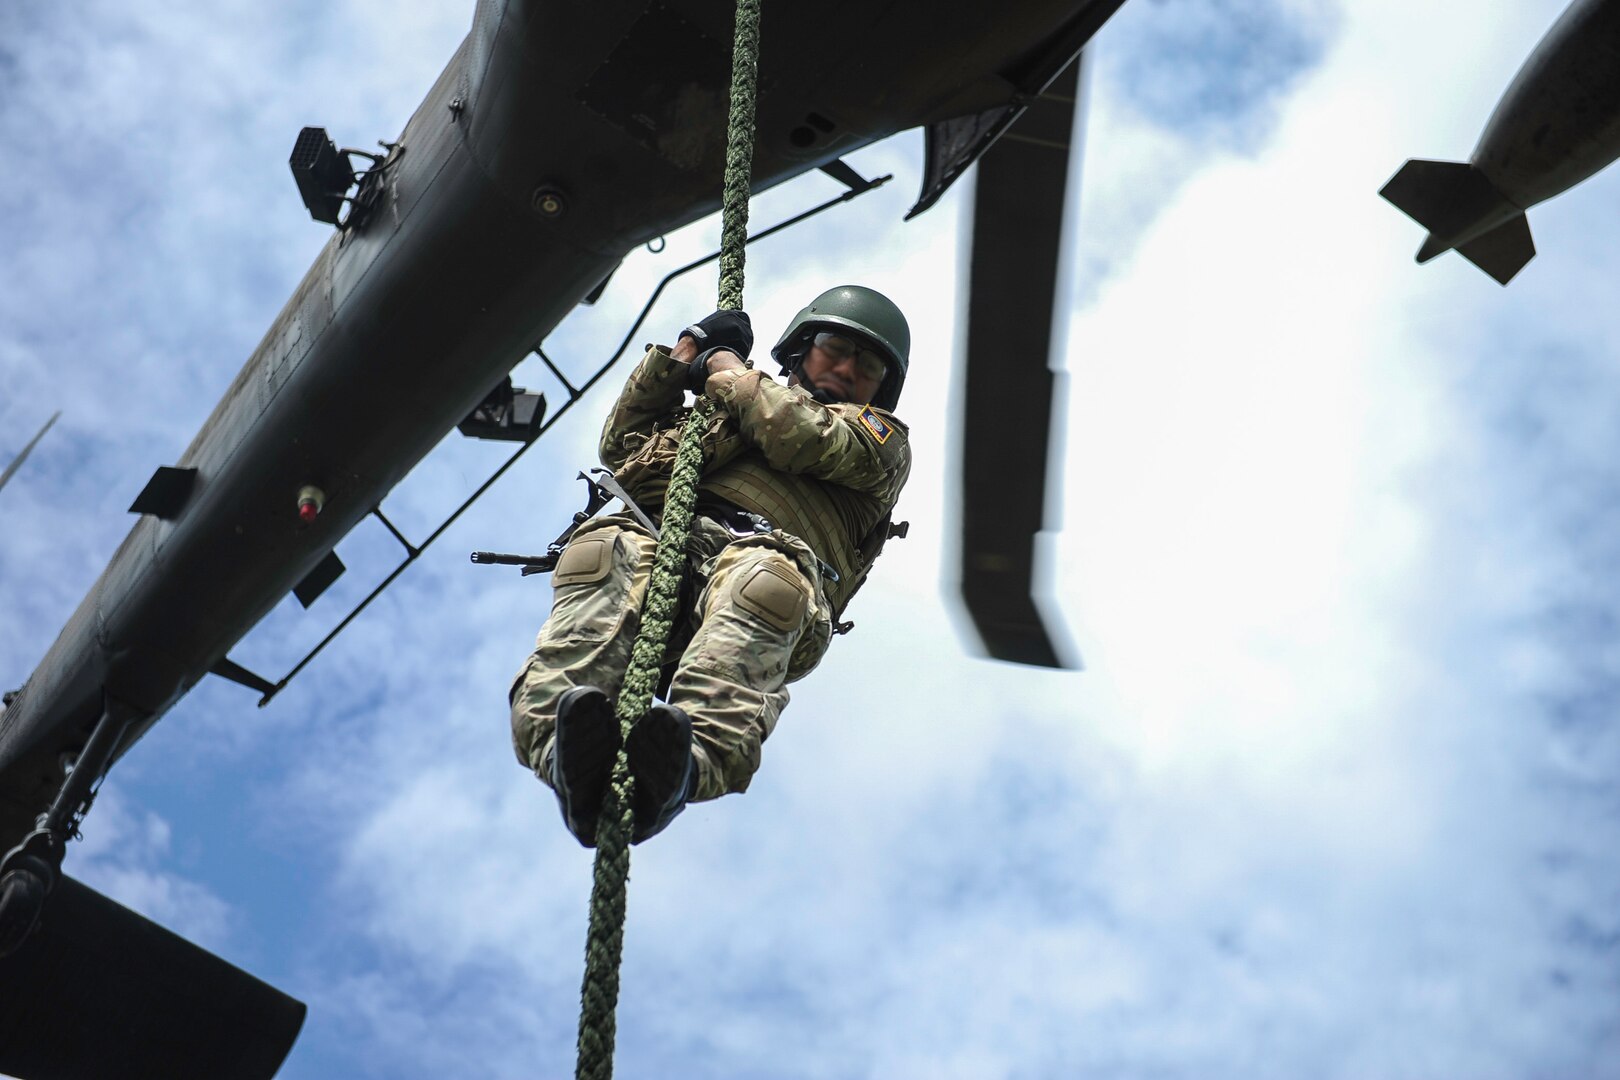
582 758
660 753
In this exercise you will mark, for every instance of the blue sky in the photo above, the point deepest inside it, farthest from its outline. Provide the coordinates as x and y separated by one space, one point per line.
1334 797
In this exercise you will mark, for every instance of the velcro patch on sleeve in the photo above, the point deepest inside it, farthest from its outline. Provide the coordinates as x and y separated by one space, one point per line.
880 428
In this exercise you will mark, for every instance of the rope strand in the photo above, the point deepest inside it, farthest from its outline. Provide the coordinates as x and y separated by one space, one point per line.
739 154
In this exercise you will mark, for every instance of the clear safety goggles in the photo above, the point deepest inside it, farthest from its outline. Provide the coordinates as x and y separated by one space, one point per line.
869 363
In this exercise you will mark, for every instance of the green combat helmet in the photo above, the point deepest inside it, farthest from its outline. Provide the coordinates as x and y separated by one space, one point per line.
862 313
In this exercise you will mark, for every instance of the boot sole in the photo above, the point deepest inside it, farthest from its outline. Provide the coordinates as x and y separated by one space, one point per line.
587 743
660 752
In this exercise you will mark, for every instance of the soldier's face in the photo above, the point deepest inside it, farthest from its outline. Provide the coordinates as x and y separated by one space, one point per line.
840 372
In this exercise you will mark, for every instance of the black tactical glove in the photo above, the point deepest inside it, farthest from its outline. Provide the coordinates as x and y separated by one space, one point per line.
697 372
723 330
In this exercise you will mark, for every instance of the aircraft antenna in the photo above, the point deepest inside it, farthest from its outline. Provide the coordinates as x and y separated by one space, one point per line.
22 456
604 945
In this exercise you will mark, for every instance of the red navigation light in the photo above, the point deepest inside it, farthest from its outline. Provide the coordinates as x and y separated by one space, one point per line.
310 501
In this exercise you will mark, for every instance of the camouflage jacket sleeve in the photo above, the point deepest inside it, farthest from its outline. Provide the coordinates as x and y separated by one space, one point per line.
655 390
854 446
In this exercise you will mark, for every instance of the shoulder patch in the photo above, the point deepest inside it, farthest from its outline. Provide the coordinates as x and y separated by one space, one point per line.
874 423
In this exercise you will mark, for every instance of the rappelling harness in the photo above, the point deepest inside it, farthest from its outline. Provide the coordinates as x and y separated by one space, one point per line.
603 488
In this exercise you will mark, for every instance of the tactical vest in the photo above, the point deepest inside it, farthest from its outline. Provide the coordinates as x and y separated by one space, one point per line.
843 526
831 519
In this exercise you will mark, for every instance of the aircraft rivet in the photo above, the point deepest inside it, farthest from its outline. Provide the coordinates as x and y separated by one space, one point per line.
548 202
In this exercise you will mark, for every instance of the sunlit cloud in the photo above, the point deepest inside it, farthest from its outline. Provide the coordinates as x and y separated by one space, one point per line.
1333 797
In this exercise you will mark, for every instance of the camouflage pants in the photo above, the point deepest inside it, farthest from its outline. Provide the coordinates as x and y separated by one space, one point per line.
757 620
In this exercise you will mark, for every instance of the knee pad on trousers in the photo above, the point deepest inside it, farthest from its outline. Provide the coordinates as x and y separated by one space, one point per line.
776 594
584 562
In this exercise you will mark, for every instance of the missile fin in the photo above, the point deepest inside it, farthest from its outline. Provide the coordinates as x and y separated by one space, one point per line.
1449 198
1432 246
1503 251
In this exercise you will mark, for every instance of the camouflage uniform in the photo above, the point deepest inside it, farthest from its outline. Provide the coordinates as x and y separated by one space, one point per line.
759 609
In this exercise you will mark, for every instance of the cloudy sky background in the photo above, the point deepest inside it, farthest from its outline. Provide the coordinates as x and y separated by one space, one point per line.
1334 797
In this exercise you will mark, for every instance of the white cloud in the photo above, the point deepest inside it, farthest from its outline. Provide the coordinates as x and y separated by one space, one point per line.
128 855
1332 797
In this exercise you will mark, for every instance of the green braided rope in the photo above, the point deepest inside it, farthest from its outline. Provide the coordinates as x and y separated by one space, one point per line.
604 943
739 154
